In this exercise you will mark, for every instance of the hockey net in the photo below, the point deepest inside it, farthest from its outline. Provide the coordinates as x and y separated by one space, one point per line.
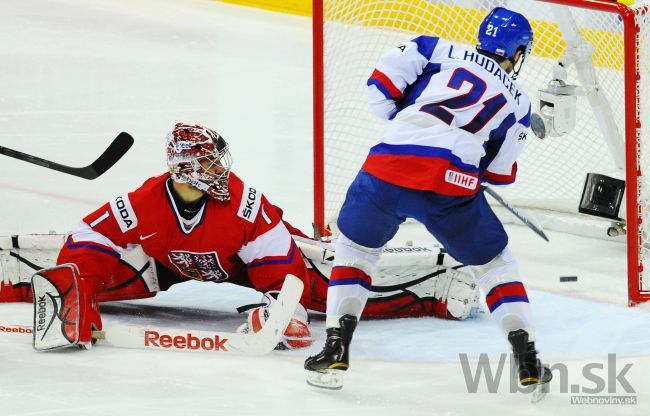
609 137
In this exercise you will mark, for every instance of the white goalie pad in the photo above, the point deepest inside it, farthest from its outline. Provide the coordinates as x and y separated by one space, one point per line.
23 255
425 271
56 308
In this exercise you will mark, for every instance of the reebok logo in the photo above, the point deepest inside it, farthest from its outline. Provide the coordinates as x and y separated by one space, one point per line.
461 179
16 329
406 250
123 213
188 342
184 145
41 313
250 204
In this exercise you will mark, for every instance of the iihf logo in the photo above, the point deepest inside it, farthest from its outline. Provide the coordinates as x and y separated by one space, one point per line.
461 179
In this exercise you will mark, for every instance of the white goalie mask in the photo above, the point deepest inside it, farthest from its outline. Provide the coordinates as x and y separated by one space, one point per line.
199 156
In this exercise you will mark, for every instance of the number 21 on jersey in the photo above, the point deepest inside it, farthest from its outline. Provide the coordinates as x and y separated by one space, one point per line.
490 107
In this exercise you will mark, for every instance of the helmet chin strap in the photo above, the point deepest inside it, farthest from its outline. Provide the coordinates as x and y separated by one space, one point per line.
515 71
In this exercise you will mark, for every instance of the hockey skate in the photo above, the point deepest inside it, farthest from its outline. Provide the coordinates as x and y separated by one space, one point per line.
531 371
326 369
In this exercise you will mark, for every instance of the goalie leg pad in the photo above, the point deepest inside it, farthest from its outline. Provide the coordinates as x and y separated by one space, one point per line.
133 278
19 292
65 309
457 295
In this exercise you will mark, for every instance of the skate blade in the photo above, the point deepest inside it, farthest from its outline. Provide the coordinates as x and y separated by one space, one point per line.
540 391
326 379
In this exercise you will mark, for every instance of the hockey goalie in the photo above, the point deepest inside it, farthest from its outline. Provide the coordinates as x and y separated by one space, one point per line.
201 222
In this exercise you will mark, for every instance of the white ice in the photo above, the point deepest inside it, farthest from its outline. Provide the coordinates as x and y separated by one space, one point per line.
74 73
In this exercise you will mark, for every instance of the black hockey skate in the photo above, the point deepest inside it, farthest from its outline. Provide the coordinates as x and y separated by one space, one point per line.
326 369
531 371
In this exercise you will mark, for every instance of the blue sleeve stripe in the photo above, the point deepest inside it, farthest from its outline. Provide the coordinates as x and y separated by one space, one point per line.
500 132
526 119
423 151
381 87
497 136
426 45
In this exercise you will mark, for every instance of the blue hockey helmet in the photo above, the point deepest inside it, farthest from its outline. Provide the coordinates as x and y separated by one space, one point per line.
503 32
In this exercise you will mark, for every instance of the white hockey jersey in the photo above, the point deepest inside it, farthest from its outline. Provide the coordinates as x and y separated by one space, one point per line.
455 118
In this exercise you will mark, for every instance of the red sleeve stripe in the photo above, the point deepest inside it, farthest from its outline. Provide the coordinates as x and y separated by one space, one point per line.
498 179
506 293
385 85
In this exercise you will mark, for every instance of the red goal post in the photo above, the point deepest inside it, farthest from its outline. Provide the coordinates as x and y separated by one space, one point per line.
609 138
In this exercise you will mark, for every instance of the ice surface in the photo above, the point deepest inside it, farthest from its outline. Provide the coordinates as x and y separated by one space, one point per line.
75 73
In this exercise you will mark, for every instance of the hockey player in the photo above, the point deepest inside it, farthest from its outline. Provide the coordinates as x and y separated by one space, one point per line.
455 119
200 221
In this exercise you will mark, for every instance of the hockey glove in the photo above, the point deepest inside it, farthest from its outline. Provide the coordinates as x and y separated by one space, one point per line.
297 334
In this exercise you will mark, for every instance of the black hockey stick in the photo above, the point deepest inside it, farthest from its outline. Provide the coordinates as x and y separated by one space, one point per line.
111 155
528 222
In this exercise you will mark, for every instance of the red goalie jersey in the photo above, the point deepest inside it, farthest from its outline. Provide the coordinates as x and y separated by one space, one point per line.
242 241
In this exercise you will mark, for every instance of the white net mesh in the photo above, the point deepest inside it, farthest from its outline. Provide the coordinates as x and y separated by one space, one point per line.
551 171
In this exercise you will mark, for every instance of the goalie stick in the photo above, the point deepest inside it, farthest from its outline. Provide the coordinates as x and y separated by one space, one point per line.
526 219
174 339
118 148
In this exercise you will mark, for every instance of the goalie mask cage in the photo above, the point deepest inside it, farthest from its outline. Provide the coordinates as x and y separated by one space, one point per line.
603 46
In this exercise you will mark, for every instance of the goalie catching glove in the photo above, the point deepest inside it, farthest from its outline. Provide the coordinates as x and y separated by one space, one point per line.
297 334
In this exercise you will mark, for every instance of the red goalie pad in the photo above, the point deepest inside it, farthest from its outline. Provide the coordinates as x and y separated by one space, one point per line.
21 292
65 308
126 282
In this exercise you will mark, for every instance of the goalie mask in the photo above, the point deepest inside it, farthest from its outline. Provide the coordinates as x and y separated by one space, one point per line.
502 33
200 157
